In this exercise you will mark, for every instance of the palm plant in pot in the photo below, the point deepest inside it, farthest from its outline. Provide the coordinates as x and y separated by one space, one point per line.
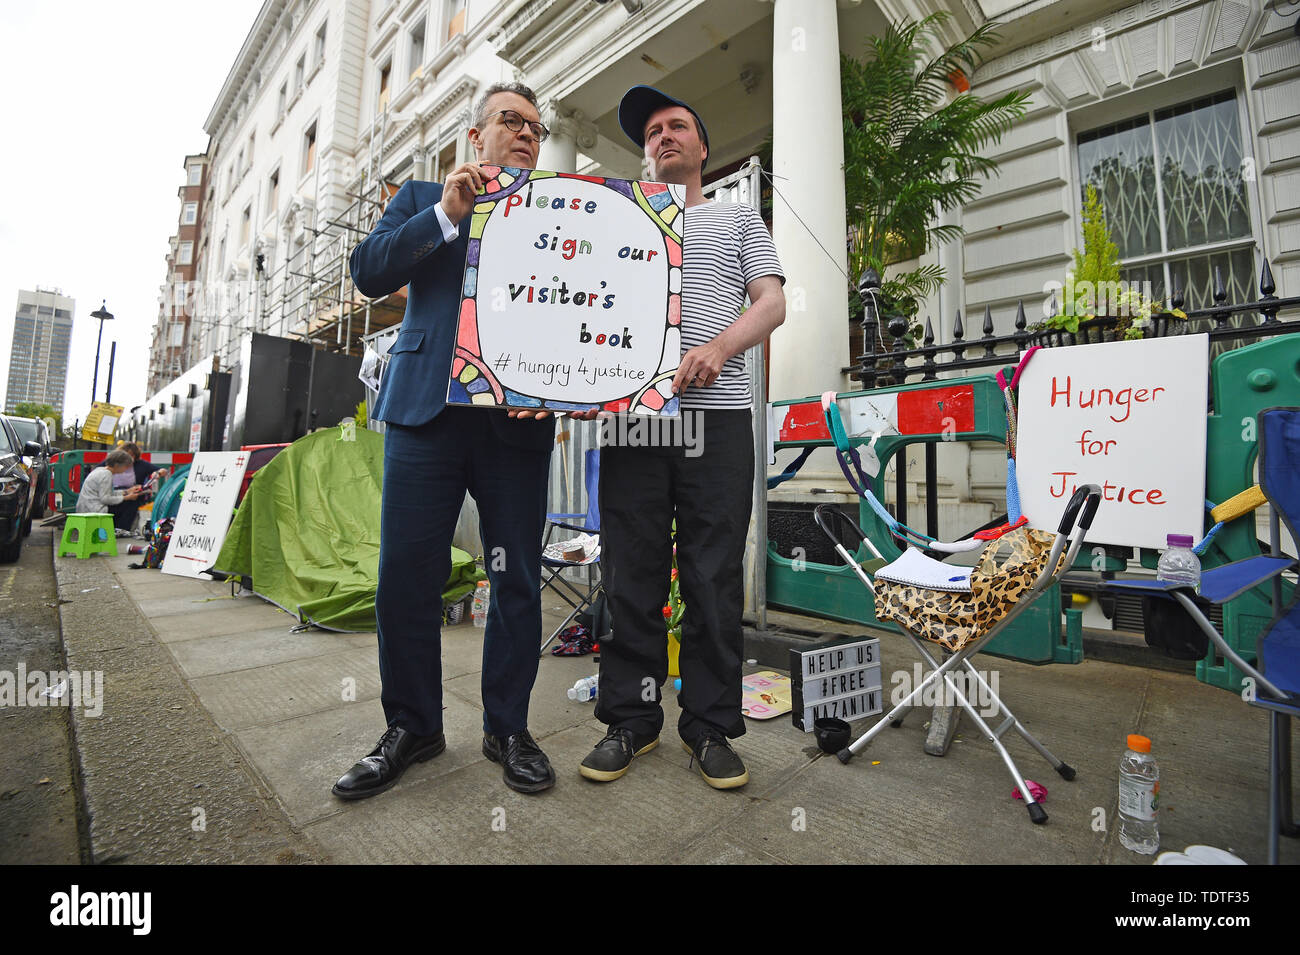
1097 305
912 151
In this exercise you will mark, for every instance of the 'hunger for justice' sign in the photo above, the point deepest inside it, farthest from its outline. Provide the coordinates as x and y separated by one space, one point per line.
1126 416
572 294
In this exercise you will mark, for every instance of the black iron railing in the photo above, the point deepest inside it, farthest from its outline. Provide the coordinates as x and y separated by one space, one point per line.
881 364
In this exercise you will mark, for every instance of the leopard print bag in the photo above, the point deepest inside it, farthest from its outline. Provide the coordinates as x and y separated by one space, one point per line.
955 619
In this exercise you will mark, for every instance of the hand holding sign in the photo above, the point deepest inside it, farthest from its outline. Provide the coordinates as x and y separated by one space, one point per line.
461 187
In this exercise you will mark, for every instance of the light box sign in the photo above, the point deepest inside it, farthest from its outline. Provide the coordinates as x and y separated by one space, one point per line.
572 294
1127 416
839 679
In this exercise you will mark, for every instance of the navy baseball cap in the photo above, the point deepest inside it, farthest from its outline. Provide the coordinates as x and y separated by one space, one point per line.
640 102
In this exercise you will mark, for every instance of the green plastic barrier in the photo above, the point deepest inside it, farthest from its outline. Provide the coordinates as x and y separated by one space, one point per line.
1243 383
70 468
959 409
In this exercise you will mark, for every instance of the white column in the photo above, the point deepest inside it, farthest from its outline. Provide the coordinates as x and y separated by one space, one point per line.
808 351
570 131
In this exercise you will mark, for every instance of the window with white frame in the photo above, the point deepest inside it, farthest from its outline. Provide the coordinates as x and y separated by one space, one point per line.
283 101
1174 186
455 17
245 224
309 150
195 174
189 213
186 254
416 51
320 45
300 73
385 81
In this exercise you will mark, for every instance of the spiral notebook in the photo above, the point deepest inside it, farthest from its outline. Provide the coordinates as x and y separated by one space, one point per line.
917 570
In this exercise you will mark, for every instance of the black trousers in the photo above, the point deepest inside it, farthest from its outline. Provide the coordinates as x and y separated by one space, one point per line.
427 470
642 490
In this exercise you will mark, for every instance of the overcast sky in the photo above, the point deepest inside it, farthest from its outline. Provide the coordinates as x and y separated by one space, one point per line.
101 104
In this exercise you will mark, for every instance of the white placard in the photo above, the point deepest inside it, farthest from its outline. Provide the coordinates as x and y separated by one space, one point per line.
572 294
196 426
1126 416
210 492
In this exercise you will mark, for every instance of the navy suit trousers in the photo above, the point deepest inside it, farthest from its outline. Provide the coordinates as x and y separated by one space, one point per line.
427 470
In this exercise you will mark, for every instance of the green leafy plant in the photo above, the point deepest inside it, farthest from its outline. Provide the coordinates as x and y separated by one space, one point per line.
674 609
31 409
1093 288
912 150
362 415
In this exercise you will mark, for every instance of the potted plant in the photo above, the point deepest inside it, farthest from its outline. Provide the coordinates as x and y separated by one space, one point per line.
1097 305
914 138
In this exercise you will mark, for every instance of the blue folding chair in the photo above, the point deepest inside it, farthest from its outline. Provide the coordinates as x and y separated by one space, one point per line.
553 568
1277 680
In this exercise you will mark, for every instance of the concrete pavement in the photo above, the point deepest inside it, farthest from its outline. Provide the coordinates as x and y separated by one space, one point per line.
214 708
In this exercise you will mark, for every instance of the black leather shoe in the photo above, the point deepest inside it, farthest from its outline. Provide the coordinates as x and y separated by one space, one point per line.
614 754
381 770
527 770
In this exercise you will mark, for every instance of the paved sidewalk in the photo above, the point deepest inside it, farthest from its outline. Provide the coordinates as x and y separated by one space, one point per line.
268 719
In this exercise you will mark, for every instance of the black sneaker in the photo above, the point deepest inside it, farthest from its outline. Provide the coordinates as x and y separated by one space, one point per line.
614 754
718 762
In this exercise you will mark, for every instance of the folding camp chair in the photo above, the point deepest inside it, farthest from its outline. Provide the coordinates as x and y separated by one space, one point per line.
1277 680
986 610
554 564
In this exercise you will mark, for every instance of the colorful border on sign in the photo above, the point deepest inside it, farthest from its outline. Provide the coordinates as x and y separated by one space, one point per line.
472 380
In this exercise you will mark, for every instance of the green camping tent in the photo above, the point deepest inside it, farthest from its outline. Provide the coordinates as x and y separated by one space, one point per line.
307 532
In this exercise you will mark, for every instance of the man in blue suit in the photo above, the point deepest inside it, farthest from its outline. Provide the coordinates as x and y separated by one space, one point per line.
433 454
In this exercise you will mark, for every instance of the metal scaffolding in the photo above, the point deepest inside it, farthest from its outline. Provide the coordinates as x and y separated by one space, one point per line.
310 295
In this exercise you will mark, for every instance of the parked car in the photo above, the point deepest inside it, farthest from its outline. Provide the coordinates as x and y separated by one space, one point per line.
16 491
33 429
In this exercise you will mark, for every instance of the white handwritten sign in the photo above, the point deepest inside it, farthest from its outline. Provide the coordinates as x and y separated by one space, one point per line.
210 492
1126 416
572 294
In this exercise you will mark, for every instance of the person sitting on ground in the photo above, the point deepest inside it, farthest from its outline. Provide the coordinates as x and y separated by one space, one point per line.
97 493
124 512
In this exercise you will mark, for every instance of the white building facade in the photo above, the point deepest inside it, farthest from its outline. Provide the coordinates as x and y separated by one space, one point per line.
1185 113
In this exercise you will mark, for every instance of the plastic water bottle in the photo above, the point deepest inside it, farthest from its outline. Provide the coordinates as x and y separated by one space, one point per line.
1179 564
482 599
584 691
1139 797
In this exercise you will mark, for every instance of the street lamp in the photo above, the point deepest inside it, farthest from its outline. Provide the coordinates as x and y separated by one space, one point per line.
103 314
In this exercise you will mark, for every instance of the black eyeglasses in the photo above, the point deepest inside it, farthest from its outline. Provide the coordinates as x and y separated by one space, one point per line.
514 122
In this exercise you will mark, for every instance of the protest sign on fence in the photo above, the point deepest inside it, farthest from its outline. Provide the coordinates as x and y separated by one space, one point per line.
1127 416
572 294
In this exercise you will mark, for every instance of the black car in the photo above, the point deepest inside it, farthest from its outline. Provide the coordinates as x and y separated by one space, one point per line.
15 491
33 429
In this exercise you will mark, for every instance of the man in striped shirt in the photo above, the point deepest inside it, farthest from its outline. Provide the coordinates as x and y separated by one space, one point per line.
706 487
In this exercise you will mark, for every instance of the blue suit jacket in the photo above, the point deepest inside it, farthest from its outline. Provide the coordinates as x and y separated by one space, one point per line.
407 247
